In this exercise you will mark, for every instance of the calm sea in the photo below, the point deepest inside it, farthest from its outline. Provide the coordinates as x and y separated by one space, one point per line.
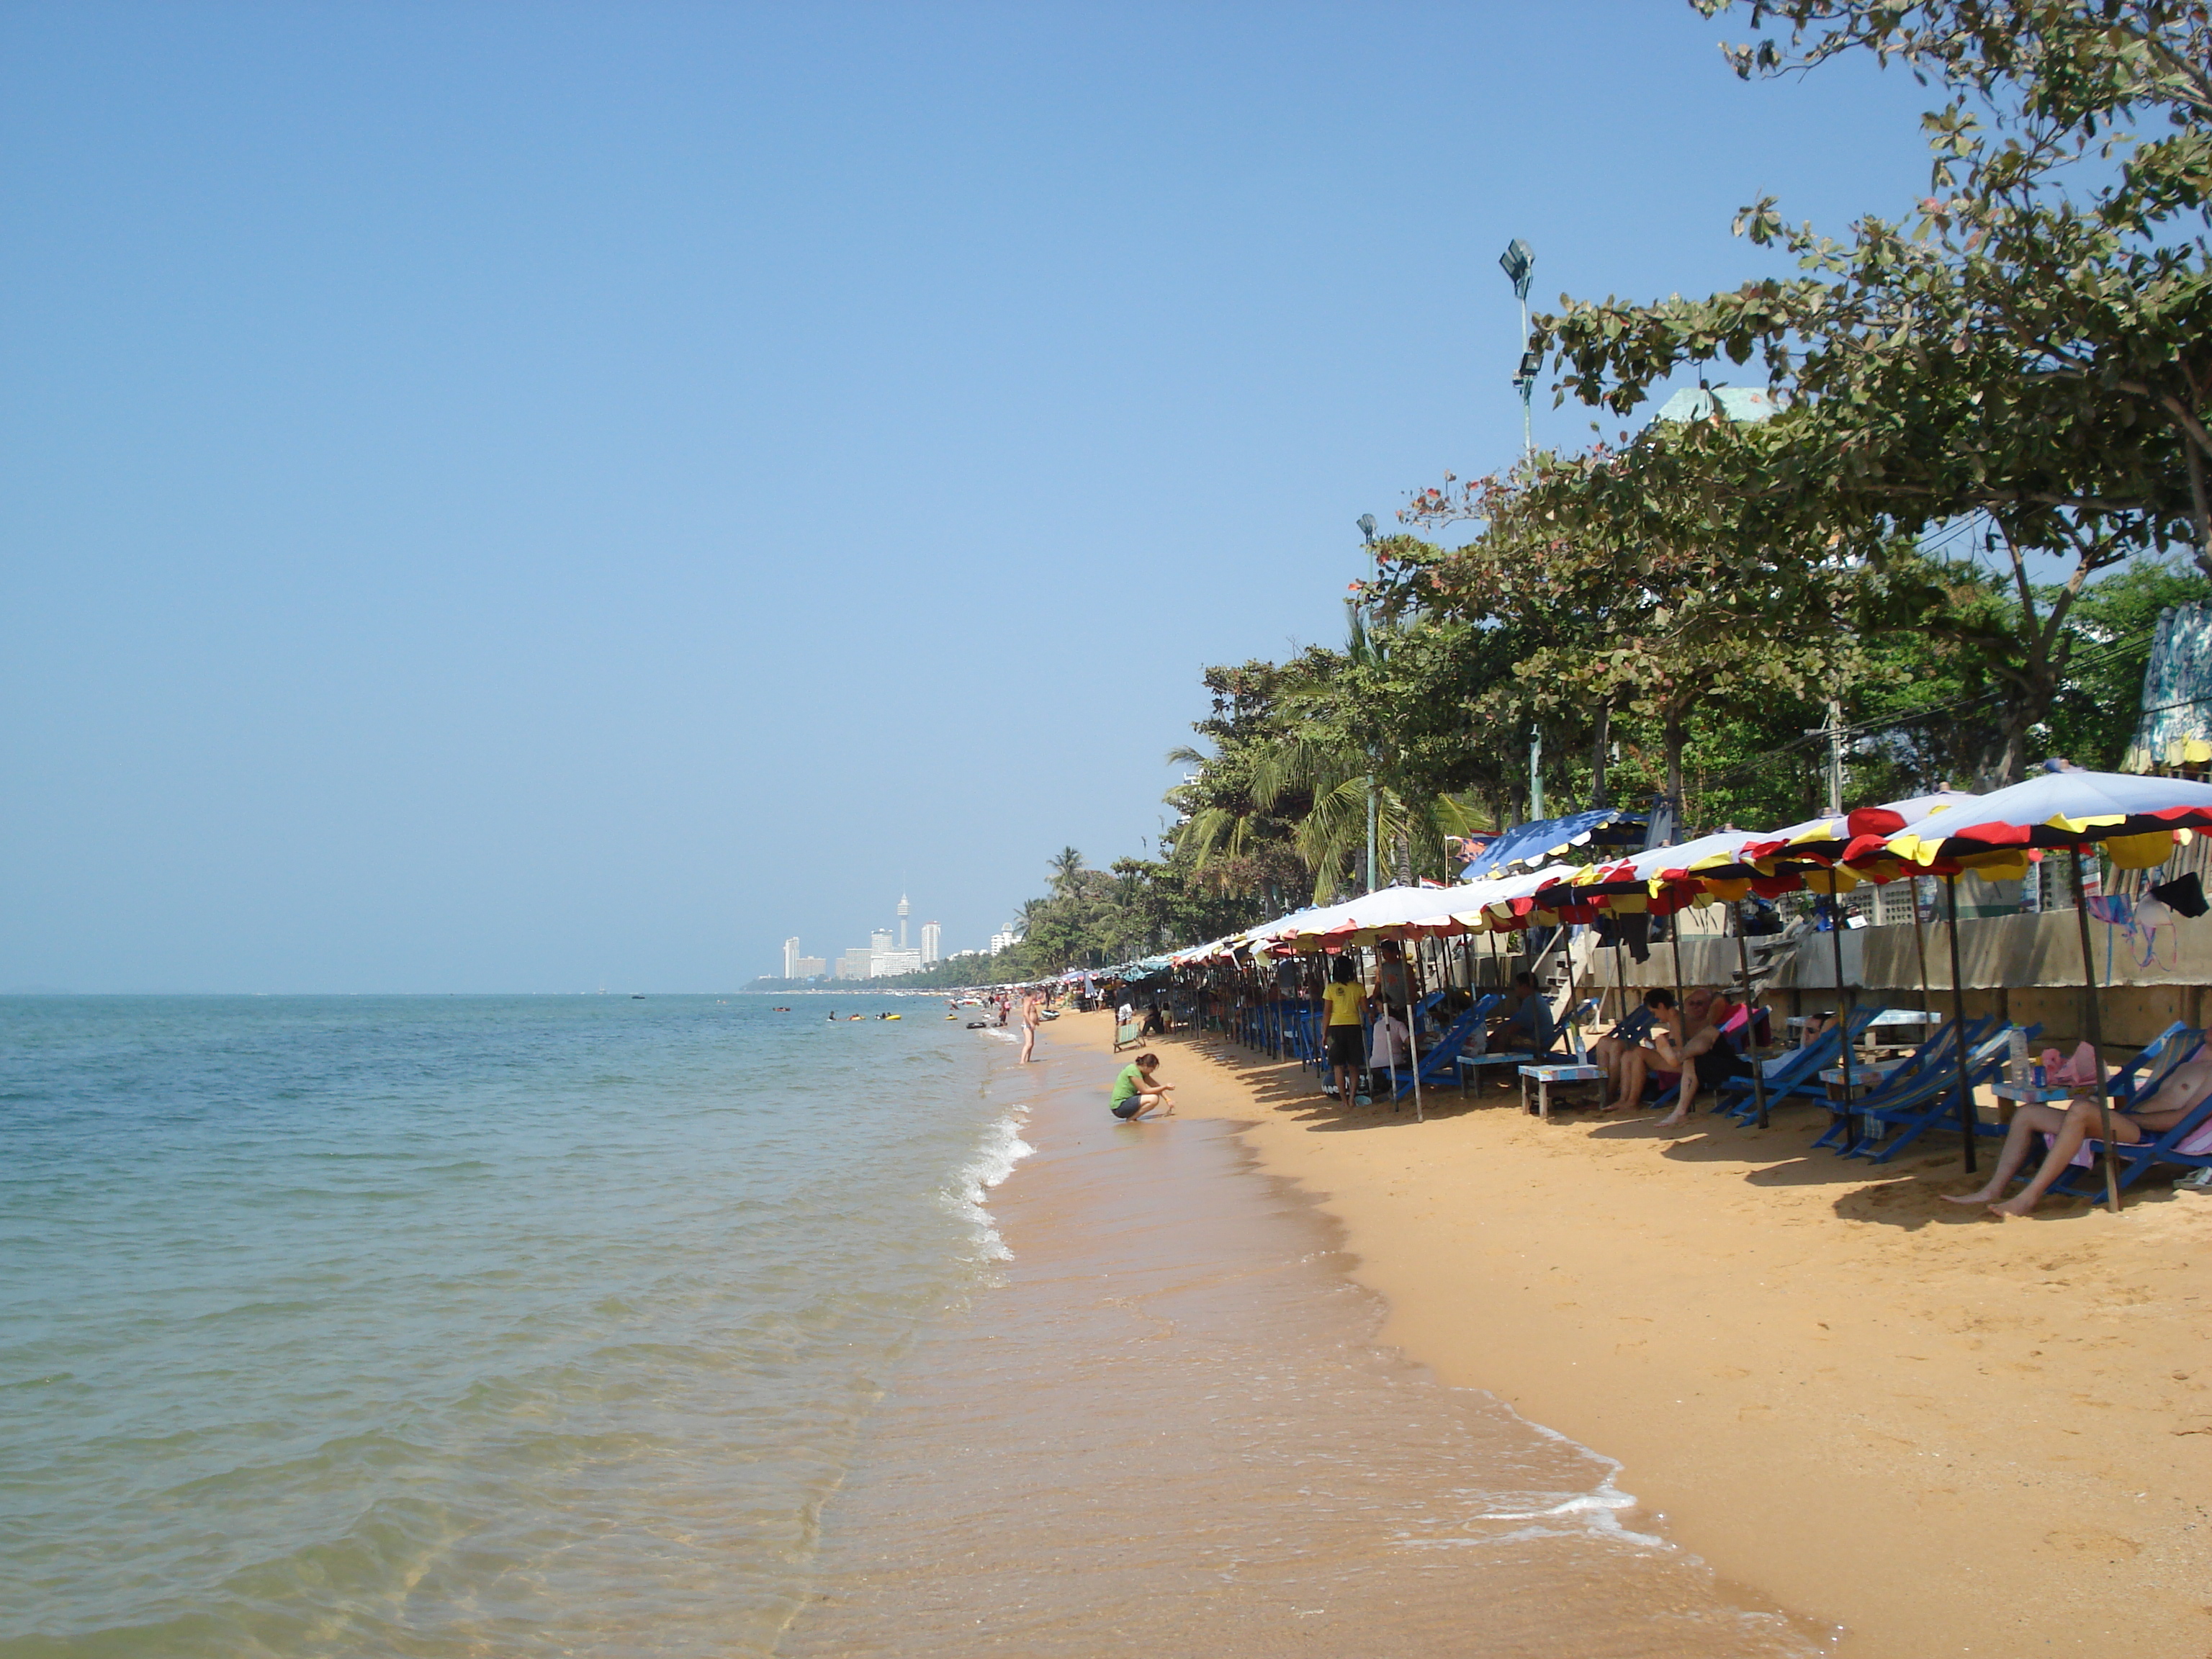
443 1326
488 1327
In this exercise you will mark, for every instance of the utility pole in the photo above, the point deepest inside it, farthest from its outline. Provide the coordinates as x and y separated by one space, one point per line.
1535 773
1366 522
1372 813
1835 758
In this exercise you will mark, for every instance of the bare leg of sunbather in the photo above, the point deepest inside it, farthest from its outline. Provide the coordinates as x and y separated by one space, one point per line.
2068 1126
1605 1054
1672 1058
1628 1081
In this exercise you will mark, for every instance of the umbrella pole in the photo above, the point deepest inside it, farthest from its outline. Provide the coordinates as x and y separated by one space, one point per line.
1842 1008
1959 1019
1750 1022
1688 1080
1413 1031
1919 942
2093 1027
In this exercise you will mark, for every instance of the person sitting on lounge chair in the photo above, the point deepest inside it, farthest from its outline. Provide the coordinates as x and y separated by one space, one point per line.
1633 1027
2069 1126
1633 1063
1390 1054
1704 1059
1675 1046
1527 1023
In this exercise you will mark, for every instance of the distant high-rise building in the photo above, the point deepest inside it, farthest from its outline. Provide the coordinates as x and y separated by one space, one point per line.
791 957
932 940
809 968
855 963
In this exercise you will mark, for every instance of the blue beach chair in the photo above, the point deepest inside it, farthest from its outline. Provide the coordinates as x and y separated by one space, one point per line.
1443 1056
1797 1074
1929 1097
1899 1081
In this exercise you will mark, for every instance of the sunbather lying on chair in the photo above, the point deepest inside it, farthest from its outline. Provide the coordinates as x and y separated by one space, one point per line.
2070 1125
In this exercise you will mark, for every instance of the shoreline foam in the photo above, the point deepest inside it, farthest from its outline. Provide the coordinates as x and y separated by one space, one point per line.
1931 1434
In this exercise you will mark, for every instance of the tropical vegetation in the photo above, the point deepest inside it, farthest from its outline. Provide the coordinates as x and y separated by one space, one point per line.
1925 542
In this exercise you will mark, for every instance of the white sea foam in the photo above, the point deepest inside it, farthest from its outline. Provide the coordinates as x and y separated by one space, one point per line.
994 1161
1596 1511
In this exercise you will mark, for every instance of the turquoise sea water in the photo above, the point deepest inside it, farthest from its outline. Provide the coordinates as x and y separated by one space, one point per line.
443 1326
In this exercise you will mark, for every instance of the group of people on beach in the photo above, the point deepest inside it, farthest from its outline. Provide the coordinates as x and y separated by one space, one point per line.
1660 1045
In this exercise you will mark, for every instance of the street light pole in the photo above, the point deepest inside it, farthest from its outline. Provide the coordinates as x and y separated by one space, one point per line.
1367 535
1518 261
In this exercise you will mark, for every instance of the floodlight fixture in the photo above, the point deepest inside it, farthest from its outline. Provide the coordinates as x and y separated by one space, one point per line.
1367 528
1518 261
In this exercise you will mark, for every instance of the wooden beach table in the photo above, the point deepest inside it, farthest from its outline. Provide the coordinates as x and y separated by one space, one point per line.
2027 1094
1476 1062
2011 1097
1545 1076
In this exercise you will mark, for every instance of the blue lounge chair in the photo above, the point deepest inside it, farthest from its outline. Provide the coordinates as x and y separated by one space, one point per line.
1929 1099
1939 1052
1443 1056
1798 1073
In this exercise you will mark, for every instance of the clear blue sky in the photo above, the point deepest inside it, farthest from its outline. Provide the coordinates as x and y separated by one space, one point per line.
517 497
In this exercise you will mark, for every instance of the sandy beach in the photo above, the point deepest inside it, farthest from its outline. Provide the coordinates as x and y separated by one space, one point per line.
1931 1432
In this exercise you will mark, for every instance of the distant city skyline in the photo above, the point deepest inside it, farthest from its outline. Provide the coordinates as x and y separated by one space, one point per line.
886 954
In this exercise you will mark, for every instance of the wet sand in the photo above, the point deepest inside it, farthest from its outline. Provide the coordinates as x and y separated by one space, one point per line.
1931 1432
1167 1428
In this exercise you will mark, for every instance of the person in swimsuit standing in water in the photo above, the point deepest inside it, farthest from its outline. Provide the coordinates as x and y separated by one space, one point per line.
1032 1006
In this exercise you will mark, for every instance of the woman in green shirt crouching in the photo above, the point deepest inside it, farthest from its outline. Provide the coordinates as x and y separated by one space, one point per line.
1137 1091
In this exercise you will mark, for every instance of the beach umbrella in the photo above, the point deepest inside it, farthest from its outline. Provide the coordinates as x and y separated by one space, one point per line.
2137 821
1833 853
1662 881
1526 845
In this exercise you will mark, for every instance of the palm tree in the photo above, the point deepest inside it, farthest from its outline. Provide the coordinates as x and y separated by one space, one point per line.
1066 866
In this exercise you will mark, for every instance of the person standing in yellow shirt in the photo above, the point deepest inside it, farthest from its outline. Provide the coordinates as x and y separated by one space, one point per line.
1345 1024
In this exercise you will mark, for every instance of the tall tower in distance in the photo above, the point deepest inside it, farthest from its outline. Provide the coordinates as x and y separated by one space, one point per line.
931 943
904 911
791 957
